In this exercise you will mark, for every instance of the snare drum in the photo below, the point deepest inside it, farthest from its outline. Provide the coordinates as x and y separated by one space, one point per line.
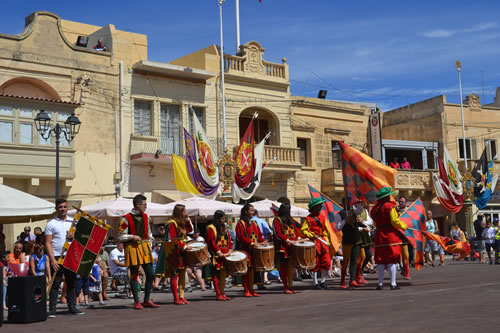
263 257
196 254
236 263
304 254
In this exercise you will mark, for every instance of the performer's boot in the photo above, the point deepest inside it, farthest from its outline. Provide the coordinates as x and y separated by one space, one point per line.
251 277
290 277
441 259
245 285
284 278
222 283
359 267
343 273
173 286
182 285
215 281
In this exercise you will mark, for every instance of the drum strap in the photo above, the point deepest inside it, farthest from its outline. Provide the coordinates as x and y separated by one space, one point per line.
168 228
318 222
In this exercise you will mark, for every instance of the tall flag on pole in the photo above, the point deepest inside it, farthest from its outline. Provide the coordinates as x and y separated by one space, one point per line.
89 235
193 170
206 157
248 192
245 158
329 210
485 182
448 184
363 176
414 218
183 181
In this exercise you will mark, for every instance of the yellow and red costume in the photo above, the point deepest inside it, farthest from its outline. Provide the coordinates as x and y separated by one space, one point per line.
313 226
387 237
174 247
218 242
248 233
284 233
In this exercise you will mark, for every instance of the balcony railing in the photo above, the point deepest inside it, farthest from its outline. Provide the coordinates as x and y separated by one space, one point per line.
282 156
237 64
155 144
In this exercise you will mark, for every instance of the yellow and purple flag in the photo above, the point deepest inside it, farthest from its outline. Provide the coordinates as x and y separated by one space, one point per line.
363 176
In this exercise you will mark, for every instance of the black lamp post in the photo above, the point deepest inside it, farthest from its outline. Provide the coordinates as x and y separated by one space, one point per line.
70 129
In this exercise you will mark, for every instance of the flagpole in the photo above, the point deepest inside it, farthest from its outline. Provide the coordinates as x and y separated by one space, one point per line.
459 67
237 12
222 76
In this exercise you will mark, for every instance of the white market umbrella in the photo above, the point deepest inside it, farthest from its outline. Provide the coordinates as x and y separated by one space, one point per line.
264 208
118 207
197 206
18 206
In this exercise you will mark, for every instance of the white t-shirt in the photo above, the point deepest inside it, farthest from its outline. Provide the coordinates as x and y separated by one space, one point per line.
115 255
58 228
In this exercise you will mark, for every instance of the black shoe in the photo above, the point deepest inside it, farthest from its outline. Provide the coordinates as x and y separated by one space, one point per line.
323 286
396 287
76 312
317 287
51 314
380 287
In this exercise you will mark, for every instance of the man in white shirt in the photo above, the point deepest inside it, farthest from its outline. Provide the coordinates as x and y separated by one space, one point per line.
56 234
489 239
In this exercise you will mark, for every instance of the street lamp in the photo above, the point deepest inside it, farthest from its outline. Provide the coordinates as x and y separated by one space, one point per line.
70 129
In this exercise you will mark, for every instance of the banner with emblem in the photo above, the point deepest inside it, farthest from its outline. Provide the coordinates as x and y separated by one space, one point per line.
89 235
485 181
206 157
245 158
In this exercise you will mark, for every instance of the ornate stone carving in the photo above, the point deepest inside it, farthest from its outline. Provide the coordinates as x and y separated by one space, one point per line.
474 102
253 52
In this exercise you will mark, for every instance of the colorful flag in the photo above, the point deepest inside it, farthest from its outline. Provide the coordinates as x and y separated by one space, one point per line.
329 210
485 182
249 191
363 176
193 170
182 180
244 157
206 157
448 185
449 245
414 218
89 235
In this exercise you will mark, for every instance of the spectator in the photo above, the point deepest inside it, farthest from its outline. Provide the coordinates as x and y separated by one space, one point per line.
39 263
431 247
405 164
26 236
394 164
17 257
3 267
489 239
2 239
197 272
119 271
268 236
39 235
104 264
82 287
29 249
479 241
95 280
100 46
160 232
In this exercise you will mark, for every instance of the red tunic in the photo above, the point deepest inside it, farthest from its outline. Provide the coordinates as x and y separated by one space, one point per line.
317 225
248 233
222 244
387 239
174 233
283 233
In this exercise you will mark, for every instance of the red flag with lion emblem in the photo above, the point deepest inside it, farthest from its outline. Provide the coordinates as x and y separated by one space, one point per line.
245 158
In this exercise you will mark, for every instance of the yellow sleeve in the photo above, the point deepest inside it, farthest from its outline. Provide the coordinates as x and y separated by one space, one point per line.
395 221
305 229
326 234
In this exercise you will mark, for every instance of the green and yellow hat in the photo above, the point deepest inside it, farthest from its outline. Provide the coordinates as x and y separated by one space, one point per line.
315 202
384 192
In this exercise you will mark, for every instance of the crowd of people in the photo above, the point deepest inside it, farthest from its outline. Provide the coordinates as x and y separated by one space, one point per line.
372 241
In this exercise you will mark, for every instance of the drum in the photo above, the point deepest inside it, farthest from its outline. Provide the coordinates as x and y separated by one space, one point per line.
196 254
304 254
263 257
236 263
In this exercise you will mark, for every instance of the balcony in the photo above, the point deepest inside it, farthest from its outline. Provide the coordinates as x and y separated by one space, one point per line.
282 157
159 148
405 180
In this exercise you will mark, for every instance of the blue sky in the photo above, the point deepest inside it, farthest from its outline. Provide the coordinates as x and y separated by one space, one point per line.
387 52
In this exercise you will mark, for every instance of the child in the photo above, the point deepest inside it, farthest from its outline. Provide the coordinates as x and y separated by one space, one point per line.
82 285
38 263
95 280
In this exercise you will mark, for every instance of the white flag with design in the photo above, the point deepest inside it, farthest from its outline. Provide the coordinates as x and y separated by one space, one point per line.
206 156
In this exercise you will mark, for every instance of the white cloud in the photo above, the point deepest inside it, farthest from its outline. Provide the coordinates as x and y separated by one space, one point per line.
443 33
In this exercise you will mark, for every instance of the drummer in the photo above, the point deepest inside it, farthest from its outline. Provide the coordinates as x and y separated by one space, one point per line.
284 234
248 234
219 244
177 229
314 227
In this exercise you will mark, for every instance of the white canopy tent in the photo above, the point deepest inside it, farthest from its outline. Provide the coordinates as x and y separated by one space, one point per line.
197 206
20 207
264 208
118 207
